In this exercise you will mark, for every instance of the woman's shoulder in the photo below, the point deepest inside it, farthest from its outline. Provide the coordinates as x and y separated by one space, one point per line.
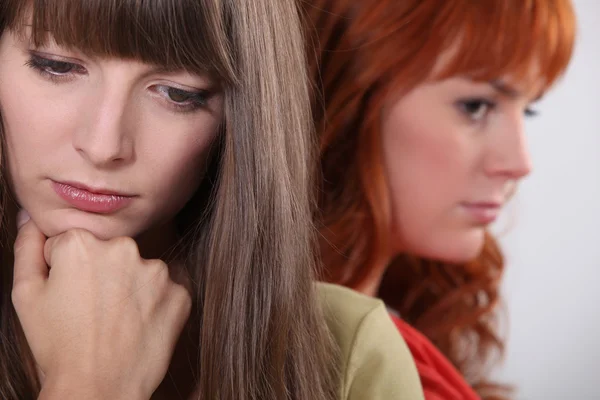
344 303
375 362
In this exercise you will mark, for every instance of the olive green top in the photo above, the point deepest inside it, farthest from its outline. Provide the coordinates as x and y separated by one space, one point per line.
375 362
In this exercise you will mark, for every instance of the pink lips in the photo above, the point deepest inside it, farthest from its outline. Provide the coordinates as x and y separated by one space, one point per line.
484 212
91 200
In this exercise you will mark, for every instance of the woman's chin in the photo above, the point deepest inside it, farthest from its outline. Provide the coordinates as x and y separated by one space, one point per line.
459 248
54 223
463 252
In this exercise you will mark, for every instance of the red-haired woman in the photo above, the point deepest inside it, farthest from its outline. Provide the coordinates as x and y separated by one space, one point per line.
420 108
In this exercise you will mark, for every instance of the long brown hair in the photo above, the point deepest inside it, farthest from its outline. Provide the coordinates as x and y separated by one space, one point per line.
361 54
251 245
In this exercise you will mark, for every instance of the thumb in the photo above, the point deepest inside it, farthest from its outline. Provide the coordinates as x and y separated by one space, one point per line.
30 266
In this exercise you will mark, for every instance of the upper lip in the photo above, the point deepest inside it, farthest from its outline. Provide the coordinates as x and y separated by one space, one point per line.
95 189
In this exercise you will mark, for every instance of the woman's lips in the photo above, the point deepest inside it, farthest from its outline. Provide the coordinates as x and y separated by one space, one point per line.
484 212
94 201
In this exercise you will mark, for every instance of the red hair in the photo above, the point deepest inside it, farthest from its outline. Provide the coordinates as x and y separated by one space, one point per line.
362 53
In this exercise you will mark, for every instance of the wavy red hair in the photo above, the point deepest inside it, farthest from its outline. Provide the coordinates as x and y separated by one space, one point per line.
362 53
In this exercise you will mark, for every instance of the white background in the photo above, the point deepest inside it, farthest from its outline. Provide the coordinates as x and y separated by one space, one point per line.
551 237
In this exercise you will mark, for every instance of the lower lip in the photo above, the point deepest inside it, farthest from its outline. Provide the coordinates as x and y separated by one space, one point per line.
482 214
85 200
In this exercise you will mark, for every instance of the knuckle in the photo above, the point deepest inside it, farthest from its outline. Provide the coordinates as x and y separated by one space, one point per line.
158 270
127 245
19 243
22 292
76 243
181 293
180 302
185 300
76 237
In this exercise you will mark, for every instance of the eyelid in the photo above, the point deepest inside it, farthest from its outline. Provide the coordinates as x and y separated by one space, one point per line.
44 61
186 88
56 58
188 106
489 104
195 92
530 112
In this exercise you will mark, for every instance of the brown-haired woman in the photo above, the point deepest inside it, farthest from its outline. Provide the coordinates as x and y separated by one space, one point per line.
419 110
159 152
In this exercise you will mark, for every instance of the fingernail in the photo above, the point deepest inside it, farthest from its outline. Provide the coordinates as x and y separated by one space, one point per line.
22 218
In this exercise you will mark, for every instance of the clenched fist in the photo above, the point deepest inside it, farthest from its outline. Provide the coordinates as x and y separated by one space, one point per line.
101 321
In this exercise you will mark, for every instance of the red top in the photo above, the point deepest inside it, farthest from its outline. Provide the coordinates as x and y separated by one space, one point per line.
440 380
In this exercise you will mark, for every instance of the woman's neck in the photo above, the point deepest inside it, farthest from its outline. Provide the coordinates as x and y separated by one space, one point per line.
159 242
370 286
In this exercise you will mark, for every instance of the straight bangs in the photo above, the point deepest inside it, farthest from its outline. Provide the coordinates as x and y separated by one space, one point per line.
530 41
186 35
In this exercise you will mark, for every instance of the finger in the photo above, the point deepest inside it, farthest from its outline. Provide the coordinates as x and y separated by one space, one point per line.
178 307
58 246
29 264
51 248
22 218
181 276
48 249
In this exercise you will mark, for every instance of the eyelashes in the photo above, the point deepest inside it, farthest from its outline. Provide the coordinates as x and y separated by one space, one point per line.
177 99
183 100
54 70
477 109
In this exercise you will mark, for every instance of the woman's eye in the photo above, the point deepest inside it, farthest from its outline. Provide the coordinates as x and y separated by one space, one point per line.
476 109
54 68
530 112
180 96
183 100
59 67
